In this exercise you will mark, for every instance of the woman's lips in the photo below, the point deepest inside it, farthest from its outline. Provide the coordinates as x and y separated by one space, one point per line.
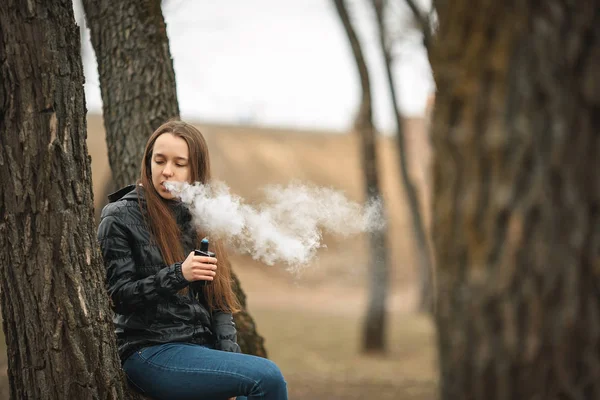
173 186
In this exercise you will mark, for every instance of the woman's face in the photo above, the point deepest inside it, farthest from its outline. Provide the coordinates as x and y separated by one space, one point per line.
170 163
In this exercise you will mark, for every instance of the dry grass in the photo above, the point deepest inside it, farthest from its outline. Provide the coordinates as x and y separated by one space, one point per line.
320 356
313 331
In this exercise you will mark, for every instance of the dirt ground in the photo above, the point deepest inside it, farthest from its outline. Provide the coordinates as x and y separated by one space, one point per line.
314 334
312 320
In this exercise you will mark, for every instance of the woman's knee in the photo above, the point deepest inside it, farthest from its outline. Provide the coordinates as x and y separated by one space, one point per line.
271 376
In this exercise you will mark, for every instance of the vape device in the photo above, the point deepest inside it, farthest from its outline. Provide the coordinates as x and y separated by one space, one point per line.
204 252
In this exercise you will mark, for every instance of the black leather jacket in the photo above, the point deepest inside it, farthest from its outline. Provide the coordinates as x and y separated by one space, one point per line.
145 292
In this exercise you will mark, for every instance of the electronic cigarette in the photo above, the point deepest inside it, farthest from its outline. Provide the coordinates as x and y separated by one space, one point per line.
204 252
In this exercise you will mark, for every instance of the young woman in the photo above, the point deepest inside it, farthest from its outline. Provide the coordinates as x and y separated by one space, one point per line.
176 335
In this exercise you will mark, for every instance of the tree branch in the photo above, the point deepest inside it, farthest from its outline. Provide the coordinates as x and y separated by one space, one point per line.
423 19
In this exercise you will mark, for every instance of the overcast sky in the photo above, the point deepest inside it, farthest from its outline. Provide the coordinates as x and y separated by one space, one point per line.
279 63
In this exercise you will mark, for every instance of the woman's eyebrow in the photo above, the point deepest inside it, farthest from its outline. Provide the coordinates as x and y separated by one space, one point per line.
163 156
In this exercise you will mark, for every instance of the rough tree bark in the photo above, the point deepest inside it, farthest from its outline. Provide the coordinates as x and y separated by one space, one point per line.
55 310
516 209
374 325
425 266
137 83
137 80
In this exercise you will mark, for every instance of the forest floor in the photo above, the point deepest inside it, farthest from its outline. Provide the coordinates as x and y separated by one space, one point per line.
314 335
320 358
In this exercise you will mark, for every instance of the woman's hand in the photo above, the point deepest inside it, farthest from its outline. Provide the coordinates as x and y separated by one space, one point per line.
199 268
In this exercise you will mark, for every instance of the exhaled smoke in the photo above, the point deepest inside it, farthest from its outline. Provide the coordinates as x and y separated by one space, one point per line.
287 227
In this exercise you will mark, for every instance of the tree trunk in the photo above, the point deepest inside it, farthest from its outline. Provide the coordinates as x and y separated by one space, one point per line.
425 265
137 83
55 310
249 341
375 322
516 207
423 20
137 80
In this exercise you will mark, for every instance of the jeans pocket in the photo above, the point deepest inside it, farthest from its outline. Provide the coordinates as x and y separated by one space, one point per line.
154 354
145 352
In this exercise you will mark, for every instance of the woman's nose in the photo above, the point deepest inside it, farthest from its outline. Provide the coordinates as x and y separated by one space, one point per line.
167 171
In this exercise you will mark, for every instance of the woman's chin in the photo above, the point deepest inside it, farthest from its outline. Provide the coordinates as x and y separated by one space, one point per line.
167 196
164 193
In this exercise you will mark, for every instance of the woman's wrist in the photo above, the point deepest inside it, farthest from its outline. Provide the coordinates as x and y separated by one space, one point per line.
179 272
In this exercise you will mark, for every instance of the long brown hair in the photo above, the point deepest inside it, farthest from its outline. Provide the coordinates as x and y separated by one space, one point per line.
161 221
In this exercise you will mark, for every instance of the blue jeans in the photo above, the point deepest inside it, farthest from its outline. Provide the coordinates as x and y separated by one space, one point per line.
181 371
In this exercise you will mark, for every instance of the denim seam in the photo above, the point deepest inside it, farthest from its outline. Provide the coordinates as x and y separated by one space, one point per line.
197 370
132 382
257 384
147 360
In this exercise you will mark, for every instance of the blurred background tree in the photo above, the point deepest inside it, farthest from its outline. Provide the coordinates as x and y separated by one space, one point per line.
374 325
419 230
516 134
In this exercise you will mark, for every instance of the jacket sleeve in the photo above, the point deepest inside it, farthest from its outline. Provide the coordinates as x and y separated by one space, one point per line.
126 292
225 332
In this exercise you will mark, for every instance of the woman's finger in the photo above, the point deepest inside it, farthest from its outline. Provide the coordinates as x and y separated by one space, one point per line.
205 260
203 277
208 267
204 271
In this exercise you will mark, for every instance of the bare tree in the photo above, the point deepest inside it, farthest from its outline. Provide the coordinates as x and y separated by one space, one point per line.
137 82
423 19
137 79
516 203
376 319
55 310
425 268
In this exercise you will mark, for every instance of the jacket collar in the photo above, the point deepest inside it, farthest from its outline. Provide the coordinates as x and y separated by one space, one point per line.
129 192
